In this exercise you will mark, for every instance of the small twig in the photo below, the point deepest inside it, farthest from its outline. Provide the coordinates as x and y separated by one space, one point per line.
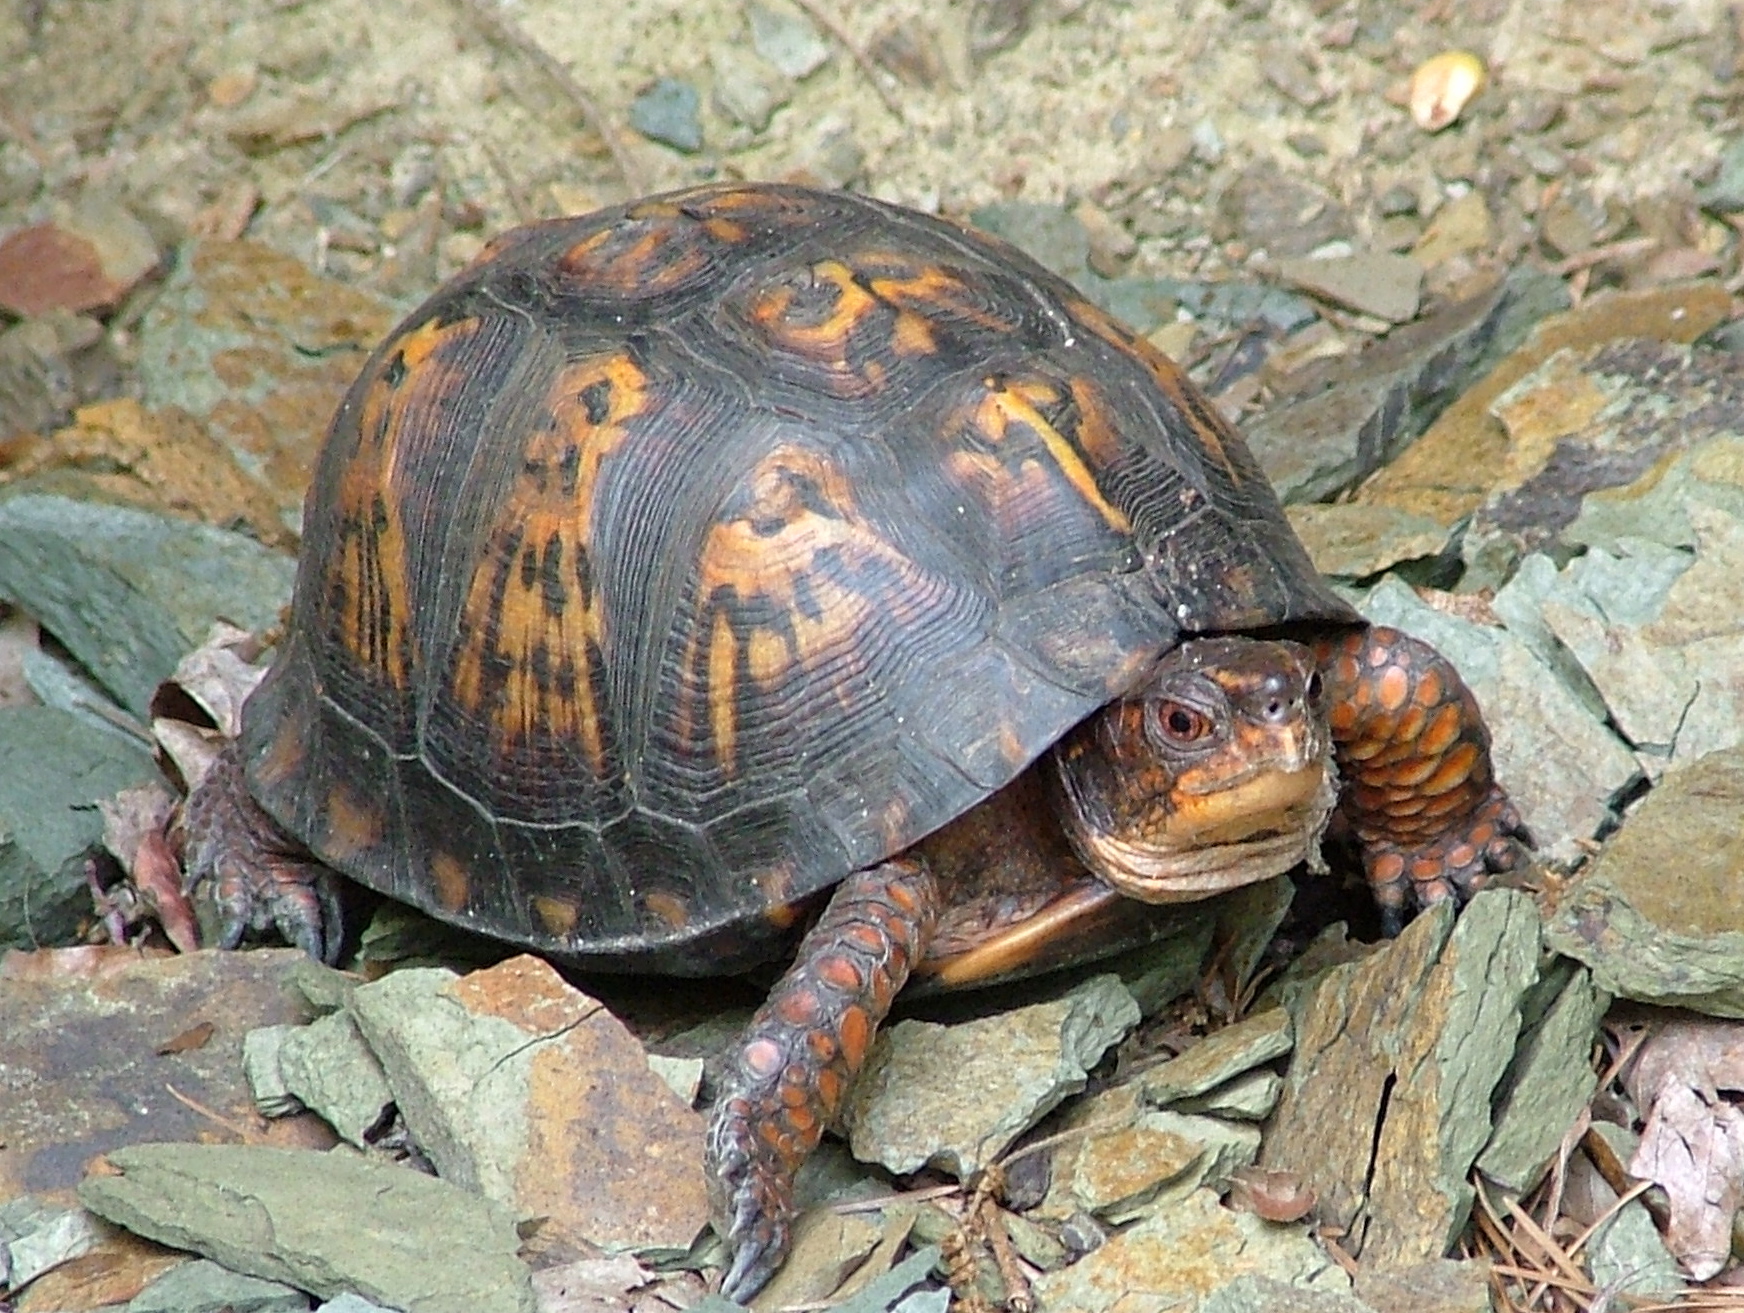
828 21
240 1132
1076 1132
1626 250
904 1197
500 28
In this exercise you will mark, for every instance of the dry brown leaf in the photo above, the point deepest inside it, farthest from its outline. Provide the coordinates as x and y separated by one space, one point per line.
219 675
591 1285
194 1037
1693 1143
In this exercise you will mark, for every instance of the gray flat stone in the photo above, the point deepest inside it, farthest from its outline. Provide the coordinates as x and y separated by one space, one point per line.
1548 1084
1221 1056
130 593
957 1096
323 1222
787 39
525 1089
204 1287
1657 915
1387 1101
1181 1255
328 1066
1376 283
54 766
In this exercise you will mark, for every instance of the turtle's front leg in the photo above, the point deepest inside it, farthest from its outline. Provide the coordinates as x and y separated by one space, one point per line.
1419 788
801 1051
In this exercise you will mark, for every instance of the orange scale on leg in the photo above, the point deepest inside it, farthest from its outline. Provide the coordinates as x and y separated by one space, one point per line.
855 1033
799 1008
763 1058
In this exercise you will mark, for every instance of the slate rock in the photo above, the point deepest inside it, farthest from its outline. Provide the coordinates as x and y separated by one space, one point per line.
1119 1173
1387 1101
669 112
1561 764
1725 194
350 1303
522 1088
36 1237
323 1222
1247 1098
1221 1056
1438 1285
787 39
1549 1082
54 766
1464 456
201 1286
1657 915
1183 1254
89 1059
1253 1293
260 349
958 1096
1343 419
130 593
1374 283
1350 540
334 1073
745 89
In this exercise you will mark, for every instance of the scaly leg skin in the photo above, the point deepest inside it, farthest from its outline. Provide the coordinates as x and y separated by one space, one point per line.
1419 788
262 878
801 1051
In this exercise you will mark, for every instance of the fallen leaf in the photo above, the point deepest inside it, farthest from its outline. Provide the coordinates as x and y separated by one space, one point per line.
1692 1145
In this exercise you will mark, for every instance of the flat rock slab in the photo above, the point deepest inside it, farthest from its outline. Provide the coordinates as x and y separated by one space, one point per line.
323 1222
525 1089
201 1286
1345 418
1659 915
1221 1056
80 1037
261 348
1178 1258
1551 1080
54 766
1466 455
1387 1101
957 1096
1441 1285
128 592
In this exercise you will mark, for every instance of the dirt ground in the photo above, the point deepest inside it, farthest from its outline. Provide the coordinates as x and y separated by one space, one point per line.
383 141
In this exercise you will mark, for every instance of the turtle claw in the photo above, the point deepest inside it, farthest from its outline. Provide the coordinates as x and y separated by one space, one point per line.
260 878
753 1202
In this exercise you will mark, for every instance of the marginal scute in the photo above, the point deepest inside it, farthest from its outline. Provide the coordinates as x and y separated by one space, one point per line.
353 825
451 880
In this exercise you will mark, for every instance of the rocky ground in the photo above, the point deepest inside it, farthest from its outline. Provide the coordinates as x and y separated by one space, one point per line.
1479 314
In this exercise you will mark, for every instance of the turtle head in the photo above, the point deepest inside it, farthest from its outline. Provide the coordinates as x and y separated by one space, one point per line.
1213 772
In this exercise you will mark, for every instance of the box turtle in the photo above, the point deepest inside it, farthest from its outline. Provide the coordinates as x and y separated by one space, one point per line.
753 562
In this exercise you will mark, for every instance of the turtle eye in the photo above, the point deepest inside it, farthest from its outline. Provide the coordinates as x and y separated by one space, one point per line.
1178 724
1316 687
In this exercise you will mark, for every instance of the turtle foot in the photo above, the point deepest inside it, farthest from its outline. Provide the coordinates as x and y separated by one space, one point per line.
260 878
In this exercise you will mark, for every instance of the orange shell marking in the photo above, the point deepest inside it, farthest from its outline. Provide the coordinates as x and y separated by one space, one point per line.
532 624
1015 402
367 582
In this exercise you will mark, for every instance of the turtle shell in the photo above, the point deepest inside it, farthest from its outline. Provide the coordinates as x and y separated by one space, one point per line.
673 562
